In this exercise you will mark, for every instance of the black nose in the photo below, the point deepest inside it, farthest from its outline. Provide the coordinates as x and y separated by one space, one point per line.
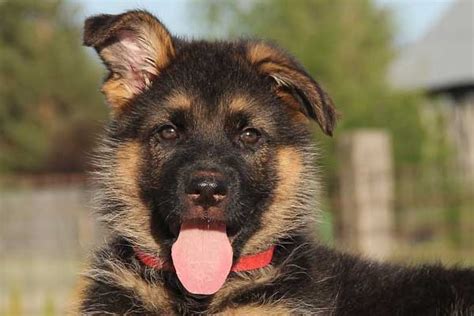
207 188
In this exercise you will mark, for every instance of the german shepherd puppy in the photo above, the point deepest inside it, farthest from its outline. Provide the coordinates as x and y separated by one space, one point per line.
207 181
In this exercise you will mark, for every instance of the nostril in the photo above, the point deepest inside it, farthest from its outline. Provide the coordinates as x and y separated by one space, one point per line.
206 190
218 197
194 196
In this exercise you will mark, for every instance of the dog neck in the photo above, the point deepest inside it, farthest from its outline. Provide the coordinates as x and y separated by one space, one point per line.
245 263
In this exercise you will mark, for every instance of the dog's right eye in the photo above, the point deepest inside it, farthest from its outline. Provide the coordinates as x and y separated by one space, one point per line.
168 133
250 136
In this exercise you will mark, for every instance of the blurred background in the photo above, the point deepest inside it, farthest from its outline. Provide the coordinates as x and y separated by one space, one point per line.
398 174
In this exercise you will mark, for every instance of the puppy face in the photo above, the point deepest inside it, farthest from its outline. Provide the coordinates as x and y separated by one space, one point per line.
204 133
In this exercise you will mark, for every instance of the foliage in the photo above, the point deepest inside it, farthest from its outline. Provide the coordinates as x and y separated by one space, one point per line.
347 46
48 88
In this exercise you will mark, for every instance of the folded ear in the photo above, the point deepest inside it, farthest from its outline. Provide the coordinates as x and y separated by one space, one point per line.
293 84
134 46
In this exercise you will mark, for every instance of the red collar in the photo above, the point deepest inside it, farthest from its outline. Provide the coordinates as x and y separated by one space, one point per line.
245 263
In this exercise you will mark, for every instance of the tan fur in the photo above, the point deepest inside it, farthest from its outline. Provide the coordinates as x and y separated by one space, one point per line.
238 103
117 93
241 103
243 282
281 216
179 100
135 220
258 52
153 295
78 296
255 310
161 41
293 105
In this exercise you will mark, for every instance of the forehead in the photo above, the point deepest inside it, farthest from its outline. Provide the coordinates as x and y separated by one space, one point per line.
212 80
233 106
212 71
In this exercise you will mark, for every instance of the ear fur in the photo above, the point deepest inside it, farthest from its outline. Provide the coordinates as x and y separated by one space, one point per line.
292 80
134 46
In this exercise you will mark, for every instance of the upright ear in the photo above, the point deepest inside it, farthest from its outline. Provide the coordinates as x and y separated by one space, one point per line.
134 46
293 84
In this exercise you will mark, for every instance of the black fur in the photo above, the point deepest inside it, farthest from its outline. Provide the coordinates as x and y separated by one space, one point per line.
308 278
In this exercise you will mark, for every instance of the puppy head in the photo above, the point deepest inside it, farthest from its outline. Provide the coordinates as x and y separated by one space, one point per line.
204 132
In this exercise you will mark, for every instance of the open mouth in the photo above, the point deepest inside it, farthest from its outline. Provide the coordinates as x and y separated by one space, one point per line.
231 228
202 256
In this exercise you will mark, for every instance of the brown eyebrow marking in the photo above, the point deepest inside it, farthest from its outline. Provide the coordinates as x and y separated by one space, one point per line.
239 103
179 100
257 113
261 53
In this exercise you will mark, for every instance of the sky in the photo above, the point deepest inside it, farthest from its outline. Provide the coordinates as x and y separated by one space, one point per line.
413 17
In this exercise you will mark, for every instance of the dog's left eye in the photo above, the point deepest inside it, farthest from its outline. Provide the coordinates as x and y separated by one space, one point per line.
168 133
250 136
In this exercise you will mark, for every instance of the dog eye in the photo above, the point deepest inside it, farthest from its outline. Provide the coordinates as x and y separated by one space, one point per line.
250 136
168 133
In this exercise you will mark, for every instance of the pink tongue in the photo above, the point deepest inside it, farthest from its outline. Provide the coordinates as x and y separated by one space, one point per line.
202 257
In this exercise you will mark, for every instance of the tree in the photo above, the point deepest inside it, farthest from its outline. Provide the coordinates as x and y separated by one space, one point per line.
48 88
